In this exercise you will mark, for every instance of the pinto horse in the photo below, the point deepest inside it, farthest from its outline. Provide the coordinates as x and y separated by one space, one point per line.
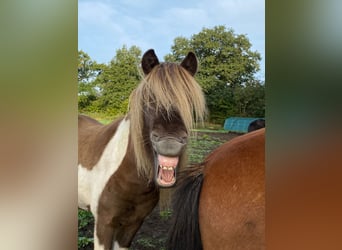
122 165
220 204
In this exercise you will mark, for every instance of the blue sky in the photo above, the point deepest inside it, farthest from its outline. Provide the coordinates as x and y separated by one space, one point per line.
106 25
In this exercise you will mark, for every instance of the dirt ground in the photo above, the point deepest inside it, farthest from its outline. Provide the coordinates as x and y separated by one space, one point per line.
153 233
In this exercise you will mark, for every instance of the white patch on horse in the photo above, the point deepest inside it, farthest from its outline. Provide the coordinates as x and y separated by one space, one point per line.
117 247
92 182
97 245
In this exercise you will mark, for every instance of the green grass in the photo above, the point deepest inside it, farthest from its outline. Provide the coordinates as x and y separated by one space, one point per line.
151 243
202 145
84 241
85 237
206 130
147 242
165 214
84 218
105 119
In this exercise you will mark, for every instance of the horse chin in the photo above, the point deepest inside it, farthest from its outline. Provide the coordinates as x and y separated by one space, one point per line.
166 170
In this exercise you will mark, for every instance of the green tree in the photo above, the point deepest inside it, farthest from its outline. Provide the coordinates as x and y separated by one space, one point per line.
85 67
250 99
117 81
88 70
226 62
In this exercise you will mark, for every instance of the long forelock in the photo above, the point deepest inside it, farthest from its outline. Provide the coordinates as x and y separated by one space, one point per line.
168 87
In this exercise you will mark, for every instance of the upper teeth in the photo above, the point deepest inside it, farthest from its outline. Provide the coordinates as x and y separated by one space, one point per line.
166 168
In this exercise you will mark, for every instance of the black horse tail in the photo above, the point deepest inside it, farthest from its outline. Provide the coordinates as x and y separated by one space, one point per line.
184 232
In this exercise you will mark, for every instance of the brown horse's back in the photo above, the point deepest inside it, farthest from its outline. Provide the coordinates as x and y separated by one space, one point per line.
232 200
93 137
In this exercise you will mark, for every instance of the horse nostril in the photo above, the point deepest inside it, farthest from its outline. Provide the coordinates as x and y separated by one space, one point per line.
154 137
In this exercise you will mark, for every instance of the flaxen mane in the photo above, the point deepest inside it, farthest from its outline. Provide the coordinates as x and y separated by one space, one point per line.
167 87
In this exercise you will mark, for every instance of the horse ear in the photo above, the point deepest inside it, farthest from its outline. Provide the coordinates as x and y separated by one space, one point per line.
190 63
149 61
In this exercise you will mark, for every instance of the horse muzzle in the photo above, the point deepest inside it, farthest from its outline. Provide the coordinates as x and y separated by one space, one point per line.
167 153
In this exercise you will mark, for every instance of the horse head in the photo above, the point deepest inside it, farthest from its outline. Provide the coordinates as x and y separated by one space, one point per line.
169 97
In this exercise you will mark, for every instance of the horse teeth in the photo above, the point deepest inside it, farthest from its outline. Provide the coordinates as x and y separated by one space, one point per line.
166 167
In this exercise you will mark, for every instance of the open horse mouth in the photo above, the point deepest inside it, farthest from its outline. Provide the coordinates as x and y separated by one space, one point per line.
166 170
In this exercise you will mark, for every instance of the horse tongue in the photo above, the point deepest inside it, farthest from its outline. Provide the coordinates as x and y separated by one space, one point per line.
167 175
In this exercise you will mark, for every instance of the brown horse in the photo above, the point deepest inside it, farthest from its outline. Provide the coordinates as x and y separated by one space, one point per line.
122 165
220 204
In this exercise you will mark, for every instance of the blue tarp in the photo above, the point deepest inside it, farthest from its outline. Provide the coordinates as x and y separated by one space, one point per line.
238 124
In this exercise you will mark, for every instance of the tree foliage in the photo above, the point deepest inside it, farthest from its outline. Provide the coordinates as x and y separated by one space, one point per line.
250 99
88 70
226 73
105 88
118 80
227 65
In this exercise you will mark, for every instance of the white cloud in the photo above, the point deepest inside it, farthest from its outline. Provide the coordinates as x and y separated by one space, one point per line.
106 25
